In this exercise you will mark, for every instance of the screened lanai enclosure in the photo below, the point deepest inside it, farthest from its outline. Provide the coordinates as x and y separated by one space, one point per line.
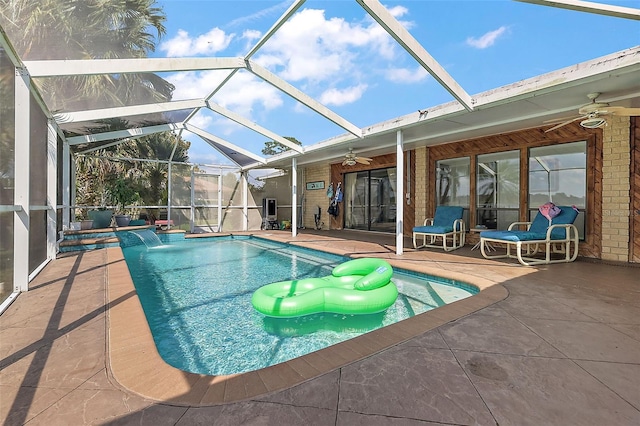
94 118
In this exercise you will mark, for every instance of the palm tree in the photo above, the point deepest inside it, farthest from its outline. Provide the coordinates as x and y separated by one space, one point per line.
88 29
99 29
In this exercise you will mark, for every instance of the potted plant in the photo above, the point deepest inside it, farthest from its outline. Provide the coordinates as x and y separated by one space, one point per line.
101 218
123 193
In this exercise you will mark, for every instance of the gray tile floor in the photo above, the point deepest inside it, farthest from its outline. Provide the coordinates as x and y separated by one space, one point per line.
562 349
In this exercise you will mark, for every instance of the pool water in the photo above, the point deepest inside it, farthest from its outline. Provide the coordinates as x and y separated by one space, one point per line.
196 295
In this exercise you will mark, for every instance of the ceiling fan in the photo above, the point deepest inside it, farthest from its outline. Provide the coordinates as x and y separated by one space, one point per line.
592 115
350 159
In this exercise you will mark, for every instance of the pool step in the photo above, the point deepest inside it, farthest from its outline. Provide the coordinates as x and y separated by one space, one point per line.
93 239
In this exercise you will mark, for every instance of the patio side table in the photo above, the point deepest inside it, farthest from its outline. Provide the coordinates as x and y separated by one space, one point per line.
489 246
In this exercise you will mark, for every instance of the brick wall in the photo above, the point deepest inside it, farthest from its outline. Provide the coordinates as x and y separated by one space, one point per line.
615 189
317 197
421 189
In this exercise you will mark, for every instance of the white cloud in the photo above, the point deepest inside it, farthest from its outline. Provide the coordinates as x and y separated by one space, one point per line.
405 75
283 5
487 39
340 97
311 47
398 11
183 44
244 94
200 120
251 35
194 85
310 50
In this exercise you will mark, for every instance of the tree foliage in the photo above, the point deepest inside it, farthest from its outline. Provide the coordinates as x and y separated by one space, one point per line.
273 147
89 29
100 29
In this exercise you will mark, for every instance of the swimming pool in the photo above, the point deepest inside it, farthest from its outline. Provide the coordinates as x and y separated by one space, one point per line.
196 295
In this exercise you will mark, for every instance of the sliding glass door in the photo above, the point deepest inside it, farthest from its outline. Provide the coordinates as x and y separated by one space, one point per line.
370 200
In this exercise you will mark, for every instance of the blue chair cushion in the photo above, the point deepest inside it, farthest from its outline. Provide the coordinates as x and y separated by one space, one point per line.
514 236
567 215
446 215
433 229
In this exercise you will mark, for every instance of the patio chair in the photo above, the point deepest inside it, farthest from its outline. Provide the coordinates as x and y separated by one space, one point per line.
446 225
557 235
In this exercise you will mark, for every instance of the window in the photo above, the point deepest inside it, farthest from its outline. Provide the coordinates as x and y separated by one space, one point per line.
498 189
558 173
452 183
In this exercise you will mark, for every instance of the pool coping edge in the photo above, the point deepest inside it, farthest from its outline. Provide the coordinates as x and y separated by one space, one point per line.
134 364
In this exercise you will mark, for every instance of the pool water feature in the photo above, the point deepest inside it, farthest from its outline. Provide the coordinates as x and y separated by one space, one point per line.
197 294
148 237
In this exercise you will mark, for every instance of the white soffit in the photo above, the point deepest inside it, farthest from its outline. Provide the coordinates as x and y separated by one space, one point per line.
590 7
395 29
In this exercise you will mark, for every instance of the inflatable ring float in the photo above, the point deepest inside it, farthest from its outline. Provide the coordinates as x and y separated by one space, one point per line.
359 286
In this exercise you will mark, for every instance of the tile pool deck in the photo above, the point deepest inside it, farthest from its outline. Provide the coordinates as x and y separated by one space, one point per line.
552 345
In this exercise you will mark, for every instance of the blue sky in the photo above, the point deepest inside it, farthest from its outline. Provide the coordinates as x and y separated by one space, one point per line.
334 52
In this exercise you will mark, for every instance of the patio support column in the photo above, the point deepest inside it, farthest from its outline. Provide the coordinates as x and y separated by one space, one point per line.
220 201
52 187
66 184
294 197
399 193
21 182
245 198
169 191
192 209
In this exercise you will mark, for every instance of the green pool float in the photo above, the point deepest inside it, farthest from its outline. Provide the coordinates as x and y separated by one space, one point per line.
359 286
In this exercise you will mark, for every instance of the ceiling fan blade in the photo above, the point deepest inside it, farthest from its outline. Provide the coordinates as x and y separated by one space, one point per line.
563 124
623 111
362 160
561 119
344 163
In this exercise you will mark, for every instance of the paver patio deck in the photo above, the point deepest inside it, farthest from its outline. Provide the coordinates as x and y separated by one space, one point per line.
561 346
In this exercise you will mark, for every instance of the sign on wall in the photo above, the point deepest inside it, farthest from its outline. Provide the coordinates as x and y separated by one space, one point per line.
315 185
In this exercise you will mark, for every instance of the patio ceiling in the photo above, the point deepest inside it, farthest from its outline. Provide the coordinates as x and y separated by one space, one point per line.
521 105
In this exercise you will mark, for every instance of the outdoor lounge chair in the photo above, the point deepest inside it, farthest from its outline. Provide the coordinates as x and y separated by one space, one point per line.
558 236
447 225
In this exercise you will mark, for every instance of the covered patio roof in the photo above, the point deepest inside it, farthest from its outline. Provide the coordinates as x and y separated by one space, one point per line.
524 104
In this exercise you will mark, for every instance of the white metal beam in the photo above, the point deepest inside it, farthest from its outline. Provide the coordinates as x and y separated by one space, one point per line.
253 126
303 98
125 111
128 133
290 11
52 187
21 217
66 184
294 197
395 29
53 68
399 193
244 181
220 201
208 136
590 7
